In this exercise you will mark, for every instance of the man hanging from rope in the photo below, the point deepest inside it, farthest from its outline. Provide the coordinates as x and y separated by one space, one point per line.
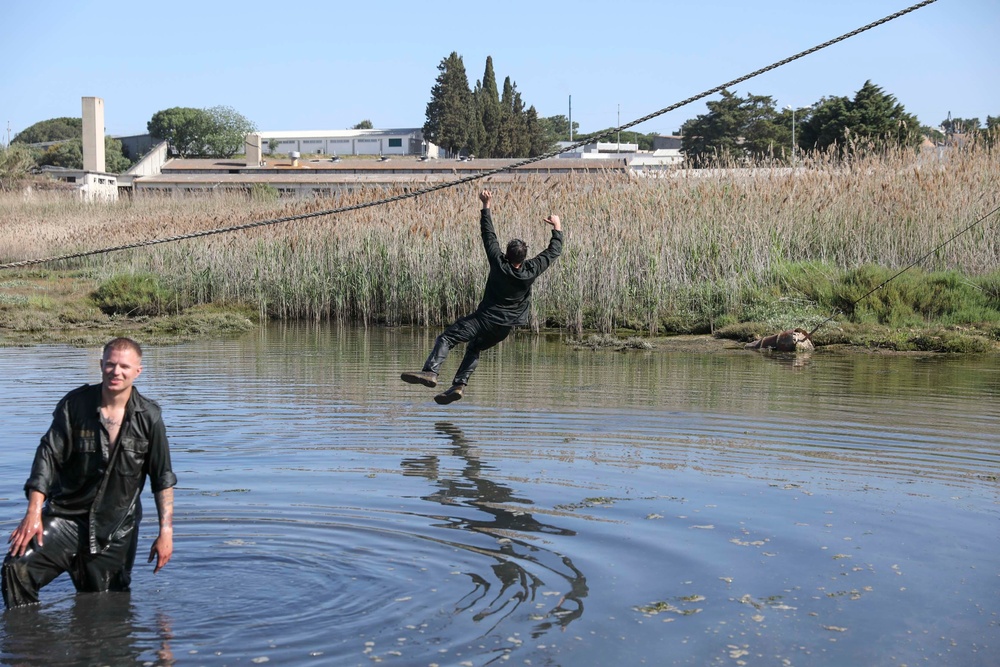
505 304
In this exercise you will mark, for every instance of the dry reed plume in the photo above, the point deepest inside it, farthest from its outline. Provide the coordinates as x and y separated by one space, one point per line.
640 252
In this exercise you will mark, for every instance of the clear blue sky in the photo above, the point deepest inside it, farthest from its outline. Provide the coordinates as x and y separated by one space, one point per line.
309 65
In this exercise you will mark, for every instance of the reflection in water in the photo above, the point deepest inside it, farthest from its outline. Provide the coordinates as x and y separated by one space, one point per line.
97 629
514 530
793 360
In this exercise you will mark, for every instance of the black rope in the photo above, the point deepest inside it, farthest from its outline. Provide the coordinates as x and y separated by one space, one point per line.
481 175
903 270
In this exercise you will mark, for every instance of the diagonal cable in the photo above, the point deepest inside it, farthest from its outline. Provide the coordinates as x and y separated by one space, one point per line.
906 268
481 175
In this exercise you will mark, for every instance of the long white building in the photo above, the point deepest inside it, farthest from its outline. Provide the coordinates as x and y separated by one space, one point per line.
407 141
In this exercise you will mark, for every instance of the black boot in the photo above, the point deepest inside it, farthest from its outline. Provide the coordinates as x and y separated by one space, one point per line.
426 378
450 395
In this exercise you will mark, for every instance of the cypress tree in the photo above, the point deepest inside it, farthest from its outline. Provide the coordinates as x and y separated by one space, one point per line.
505 141
448 122
477 134
521 140
489 111
538 142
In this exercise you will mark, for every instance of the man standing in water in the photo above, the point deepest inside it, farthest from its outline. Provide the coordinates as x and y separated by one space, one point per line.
505 304
83 493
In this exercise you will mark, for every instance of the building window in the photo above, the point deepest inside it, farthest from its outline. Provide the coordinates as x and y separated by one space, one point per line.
395 143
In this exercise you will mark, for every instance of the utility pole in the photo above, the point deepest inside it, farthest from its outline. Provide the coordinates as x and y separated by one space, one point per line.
571 119
618 148
792 109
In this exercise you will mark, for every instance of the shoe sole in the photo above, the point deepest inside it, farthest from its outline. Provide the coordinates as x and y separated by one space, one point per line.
412 378
445 399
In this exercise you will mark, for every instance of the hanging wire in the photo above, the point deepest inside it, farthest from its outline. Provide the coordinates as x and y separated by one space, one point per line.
906 268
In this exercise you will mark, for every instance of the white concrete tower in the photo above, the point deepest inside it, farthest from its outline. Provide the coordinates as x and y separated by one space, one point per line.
93 134
255 153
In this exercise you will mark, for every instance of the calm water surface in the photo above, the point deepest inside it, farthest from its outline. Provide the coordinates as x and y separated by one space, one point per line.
576 508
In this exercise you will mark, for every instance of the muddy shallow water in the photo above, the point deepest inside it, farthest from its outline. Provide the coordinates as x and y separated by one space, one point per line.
576 508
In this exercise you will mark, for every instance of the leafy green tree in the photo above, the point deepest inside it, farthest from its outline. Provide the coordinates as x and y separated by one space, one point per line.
878 115
364 125
734 128
115 161
228 134
16 162
184 128
219 131
825 125
557 128
763 135
54 129
69 154
448 116
872 118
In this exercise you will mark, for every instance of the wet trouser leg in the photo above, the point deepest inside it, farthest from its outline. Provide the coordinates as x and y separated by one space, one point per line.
462 331
24 575
489 335
109 570
65 549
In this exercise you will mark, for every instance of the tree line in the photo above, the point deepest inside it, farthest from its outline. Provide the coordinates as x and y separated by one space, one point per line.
751 128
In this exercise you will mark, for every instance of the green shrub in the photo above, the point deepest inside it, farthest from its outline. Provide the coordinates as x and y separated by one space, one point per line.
135 295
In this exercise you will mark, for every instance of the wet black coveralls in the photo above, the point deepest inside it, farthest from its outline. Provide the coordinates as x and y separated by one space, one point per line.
505 304
92 509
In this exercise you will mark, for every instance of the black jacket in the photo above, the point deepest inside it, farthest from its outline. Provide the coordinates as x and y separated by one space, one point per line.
507 296
73 470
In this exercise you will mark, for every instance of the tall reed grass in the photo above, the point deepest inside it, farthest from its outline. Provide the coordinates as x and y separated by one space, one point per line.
686 251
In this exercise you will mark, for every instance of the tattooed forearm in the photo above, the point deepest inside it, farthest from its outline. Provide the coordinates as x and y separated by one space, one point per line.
165 508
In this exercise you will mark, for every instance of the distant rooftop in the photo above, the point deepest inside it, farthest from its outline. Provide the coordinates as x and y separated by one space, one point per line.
300 134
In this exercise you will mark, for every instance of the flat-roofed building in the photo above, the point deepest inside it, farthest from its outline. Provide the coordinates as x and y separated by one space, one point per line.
406 141
322 177
90 185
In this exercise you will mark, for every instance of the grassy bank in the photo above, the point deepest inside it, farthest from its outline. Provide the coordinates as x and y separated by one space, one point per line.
45 306
733 252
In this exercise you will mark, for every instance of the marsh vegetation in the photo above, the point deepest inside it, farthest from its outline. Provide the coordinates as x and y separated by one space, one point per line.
736 252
